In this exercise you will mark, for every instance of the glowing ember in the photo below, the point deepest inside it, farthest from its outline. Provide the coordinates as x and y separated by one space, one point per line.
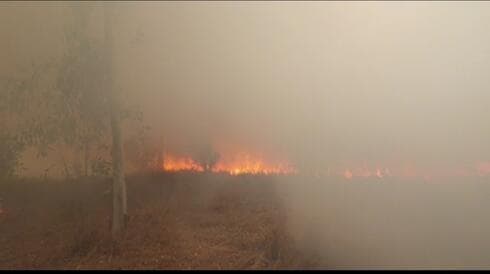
255 164
348 174
244 163
241 163
174 164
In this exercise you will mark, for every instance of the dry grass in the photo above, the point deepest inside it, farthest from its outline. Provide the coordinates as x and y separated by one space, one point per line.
176 222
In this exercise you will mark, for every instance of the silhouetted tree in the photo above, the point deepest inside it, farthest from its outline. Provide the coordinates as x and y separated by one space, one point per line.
119 205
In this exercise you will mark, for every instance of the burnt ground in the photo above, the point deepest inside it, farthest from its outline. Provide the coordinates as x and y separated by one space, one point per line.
177 221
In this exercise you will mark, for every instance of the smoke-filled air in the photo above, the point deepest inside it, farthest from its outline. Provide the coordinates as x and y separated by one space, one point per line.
244 135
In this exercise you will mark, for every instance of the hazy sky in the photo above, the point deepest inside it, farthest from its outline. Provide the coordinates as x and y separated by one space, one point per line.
316 81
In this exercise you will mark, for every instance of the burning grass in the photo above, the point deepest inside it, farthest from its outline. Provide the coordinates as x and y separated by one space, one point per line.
232 164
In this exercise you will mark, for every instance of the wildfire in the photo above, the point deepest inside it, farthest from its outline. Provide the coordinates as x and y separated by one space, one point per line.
244 163
236 164
248 163
174 164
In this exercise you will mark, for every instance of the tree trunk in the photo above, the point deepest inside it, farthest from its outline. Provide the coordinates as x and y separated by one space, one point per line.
119 203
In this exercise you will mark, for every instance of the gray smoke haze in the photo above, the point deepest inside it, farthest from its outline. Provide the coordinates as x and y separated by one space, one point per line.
318 83
321 82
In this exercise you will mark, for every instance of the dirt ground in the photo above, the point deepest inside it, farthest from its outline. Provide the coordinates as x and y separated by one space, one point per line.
177 221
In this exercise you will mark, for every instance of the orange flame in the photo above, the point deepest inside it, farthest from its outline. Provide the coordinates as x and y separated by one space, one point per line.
174 164
245 163
241 163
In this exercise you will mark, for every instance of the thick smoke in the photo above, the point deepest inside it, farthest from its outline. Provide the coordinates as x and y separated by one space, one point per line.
319 84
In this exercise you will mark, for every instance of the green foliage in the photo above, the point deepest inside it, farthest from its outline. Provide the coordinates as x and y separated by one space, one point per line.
72 108
25 118
82 100
26 109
